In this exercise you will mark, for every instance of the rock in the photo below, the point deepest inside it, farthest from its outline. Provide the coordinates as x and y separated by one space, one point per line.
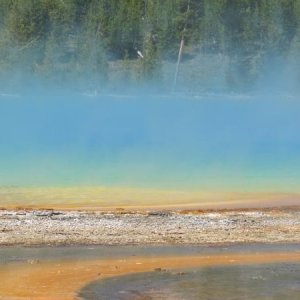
43 213
159 213
160 270
33 261
180 273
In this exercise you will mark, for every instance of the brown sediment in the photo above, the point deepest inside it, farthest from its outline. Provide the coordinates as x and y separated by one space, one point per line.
186 208
269 209
61 280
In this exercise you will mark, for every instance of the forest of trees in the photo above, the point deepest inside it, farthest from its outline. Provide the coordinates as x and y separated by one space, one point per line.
94 44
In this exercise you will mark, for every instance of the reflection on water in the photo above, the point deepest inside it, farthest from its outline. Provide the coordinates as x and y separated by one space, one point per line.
273 281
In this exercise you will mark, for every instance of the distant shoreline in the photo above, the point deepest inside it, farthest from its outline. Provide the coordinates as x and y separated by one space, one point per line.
31 227
184 208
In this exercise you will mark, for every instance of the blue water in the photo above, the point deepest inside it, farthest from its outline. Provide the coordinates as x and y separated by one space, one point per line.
212 143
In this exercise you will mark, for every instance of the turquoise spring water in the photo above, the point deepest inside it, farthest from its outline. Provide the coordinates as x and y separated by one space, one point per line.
230 143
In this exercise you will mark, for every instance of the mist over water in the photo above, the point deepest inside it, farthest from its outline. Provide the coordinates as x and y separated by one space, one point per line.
103 46
220 143
91 100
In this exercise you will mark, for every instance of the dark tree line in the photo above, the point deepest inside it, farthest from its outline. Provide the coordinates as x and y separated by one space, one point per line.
70 40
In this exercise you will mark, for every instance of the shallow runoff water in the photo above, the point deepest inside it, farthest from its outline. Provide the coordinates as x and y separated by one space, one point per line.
67 273
247 282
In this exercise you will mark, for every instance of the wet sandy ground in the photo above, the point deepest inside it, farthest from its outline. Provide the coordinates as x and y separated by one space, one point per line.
63 279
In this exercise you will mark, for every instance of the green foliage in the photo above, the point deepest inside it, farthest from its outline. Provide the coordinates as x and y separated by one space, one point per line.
69 40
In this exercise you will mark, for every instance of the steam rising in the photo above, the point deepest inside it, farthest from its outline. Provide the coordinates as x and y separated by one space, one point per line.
86 101
101 46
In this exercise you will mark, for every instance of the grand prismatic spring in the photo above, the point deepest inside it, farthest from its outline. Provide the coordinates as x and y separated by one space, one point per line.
149 150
